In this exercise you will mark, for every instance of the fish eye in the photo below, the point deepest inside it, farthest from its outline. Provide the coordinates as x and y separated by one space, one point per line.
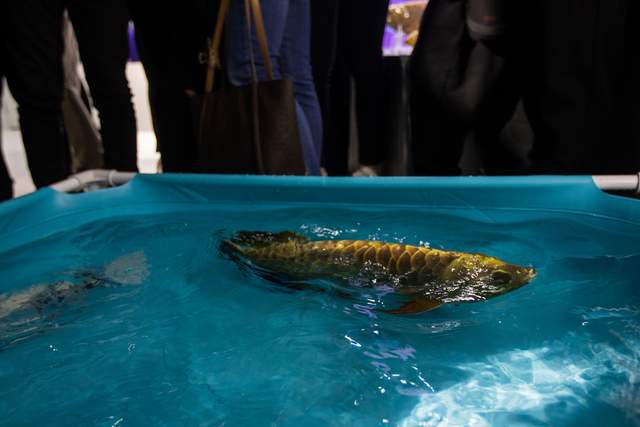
501 277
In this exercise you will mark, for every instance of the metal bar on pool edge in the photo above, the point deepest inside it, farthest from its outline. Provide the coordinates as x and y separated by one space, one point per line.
618 182
82 180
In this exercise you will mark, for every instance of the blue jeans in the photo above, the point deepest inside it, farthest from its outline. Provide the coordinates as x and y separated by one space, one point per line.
287 24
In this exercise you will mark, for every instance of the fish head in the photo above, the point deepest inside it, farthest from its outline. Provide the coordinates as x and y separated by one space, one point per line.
249 244
488 276
512 276
504 277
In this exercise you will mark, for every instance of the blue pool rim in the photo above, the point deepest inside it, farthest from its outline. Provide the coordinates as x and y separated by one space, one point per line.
47 211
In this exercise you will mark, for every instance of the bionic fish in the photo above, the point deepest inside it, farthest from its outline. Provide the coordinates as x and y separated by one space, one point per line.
130 269
427 277
22 312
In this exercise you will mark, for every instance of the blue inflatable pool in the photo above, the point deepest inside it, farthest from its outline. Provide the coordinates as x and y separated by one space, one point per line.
116 307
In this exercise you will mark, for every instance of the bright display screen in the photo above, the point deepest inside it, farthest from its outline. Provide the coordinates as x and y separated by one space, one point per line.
403 23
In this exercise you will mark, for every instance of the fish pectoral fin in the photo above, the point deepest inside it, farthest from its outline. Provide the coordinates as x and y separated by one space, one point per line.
415 306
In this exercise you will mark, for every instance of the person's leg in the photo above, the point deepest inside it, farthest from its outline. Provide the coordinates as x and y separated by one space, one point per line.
171 38
324 33
101 30
147 62
629 106
238 58
238 63
445 95
80 128
364 54
581 85
6 184
34 73
500 154
335 151
311 159
296 64
437 138
335 155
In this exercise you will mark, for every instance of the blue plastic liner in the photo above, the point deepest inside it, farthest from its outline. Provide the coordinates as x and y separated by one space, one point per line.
47 211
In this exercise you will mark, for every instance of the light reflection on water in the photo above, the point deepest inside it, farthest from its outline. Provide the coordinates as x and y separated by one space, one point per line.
538 386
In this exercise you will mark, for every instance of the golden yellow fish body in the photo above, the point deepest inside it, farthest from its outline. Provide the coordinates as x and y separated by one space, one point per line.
335 257
440 275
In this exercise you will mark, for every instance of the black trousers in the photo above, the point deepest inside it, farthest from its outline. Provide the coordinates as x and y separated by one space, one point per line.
171 41
101 29
346 39
31 60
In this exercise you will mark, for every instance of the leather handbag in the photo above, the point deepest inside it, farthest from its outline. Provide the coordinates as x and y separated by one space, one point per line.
250 129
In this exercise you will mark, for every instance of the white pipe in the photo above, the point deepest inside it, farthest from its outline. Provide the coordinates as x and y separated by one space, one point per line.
82 180
618 182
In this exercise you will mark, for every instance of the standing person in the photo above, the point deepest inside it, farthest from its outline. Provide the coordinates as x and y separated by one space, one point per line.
31 60
347 44
101 28
172 42
287 24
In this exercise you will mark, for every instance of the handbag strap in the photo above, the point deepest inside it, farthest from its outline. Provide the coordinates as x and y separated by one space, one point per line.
214 58
252 7
262 36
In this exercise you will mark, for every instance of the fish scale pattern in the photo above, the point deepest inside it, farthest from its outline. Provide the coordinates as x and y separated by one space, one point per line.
416 264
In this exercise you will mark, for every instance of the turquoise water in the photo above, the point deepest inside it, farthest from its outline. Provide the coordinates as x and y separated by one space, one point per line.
201 341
